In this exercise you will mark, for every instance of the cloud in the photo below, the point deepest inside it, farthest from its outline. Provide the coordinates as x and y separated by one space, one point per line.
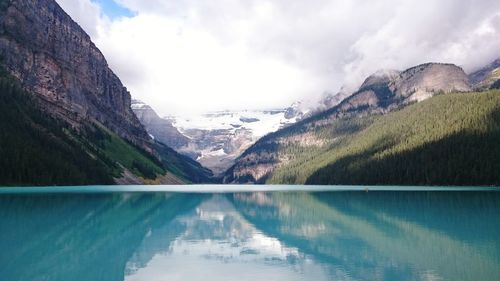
87 14
186 55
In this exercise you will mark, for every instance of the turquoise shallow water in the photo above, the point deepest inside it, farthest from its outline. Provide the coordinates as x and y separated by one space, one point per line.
323 233
227 188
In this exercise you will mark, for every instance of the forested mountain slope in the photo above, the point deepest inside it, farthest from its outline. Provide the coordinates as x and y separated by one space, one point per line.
38 149
450 139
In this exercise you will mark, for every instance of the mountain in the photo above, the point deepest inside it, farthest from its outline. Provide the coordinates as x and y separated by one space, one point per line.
383 135
421 82
387 90
216 139
159 128
486 77
55 59
296 110
66 117
330 100
300 109
446 140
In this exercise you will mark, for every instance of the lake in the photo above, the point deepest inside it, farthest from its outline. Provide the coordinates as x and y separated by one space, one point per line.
257 233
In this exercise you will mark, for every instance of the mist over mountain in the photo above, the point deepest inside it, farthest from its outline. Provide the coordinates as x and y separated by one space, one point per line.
192 57
214 139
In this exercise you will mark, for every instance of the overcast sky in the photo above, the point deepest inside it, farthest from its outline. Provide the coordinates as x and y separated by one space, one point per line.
187 56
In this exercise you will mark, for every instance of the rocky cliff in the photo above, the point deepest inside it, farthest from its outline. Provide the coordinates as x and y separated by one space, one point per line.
424 81
56 60
67 117
161 129
387 90
486 77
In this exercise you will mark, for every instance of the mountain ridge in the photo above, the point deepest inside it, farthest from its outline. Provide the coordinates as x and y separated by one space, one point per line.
376 97
160 128
487 76
213 139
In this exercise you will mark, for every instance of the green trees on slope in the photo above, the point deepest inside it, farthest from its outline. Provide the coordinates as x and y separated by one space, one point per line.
447 140
34 148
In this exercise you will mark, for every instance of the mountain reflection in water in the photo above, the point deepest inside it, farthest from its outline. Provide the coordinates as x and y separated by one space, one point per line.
251 236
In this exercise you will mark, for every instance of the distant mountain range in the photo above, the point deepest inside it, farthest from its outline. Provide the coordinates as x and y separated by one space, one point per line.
214 139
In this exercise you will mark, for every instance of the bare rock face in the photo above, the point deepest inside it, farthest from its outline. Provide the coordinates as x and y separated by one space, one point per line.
161 129
330 100
380 78
423 81
56 60
486 77
374 94
387 90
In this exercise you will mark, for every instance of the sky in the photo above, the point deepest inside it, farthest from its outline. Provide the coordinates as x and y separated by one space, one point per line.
193 56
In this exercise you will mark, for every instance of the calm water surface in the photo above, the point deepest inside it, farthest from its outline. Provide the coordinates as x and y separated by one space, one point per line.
348 235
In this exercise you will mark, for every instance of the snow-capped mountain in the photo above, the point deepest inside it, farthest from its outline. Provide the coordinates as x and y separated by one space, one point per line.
305 108
258 122
216 139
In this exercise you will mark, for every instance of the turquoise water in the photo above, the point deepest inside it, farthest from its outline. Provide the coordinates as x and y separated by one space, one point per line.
339 233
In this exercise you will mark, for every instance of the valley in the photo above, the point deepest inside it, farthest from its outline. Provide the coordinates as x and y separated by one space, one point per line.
249 140
214 139
68 119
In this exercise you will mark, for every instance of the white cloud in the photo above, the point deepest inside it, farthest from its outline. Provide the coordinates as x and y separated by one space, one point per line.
87 14
185 55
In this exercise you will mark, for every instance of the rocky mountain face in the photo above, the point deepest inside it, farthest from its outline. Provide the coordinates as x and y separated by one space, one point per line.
300 110
216 139
160 128
73 116
217 149
421 82
330 100
380 93
55 59
387 90
486 77
213 139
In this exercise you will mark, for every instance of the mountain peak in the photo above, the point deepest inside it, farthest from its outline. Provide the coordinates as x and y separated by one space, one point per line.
423 81
380 77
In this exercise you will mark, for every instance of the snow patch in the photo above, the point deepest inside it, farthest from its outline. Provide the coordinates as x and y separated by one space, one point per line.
263 122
